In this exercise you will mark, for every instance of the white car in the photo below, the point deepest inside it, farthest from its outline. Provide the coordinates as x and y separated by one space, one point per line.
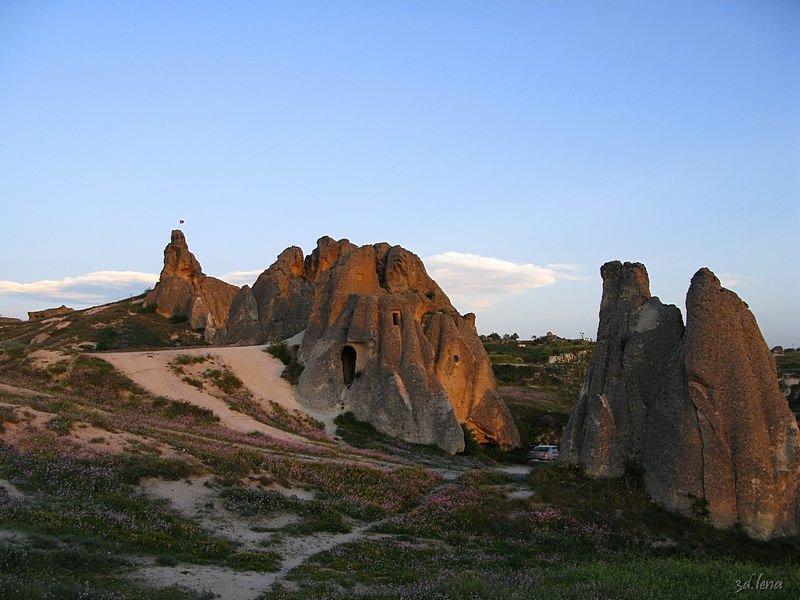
543 453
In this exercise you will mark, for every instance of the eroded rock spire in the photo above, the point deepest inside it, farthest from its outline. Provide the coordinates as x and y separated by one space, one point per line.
699 410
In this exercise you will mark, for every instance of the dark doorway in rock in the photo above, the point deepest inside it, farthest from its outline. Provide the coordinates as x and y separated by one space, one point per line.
348 364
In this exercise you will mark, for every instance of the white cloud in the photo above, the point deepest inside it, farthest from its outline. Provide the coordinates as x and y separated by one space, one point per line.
241 278
730 280
98 286
478 282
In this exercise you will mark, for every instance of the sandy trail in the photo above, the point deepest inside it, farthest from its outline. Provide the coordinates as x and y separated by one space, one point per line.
259 372
195 500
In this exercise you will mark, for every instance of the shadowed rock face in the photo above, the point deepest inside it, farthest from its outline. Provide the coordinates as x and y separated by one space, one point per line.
636 336
381 339
184 291
699 410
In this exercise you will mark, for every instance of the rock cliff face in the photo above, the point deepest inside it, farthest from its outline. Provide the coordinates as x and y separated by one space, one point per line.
183 290
698 409
380 339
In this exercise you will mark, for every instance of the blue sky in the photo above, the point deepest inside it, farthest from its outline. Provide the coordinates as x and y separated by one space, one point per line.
514 146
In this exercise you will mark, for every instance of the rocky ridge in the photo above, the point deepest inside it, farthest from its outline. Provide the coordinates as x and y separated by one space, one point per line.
696 408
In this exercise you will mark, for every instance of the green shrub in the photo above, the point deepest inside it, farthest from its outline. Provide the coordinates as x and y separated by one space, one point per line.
193 382
225 380
60 424
255 561
324 518
293 371
471 445
178 408
294 368
188 359
280 351
134 468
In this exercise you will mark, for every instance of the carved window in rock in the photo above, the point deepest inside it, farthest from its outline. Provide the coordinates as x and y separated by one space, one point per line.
348 356
455 358
395 317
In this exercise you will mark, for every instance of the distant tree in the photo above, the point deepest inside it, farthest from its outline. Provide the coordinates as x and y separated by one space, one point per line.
494 336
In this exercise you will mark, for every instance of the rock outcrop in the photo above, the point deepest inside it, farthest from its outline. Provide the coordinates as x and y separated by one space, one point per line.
49 313
380 339
636 337
183 290
279 304
697 409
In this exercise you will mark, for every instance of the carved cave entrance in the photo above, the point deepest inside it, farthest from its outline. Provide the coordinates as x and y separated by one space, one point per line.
349 356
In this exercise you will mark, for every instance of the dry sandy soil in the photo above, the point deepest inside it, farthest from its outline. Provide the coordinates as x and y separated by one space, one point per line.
260 373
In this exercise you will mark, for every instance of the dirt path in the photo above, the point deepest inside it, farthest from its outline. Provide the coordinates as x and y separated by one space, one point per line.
195 500
259 372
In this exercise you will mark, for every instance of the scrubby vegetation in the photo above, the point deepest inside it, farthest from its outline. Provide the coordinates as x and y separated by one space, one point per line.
294 368
123 325
367 517
473 538
539 380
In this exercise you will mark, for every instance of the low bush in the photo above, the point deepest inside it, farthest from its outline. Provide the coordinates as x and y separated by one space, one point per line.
280 351
225 380
172 409
293 371
254 561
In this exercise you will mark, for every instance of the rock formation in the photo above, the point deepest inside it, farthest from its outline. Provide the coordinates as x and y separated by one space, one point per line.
636 337
376 335
279 303
380 339
183 290
49 313
697 409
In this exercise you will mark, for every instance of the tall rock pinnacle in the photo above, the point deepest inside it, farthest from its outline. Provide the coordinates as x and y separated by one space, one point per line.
698 410
184 291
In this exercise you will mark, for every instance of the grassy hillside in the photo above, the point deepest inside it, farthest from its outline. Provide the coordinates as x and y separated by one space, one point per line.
123 325
107 491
